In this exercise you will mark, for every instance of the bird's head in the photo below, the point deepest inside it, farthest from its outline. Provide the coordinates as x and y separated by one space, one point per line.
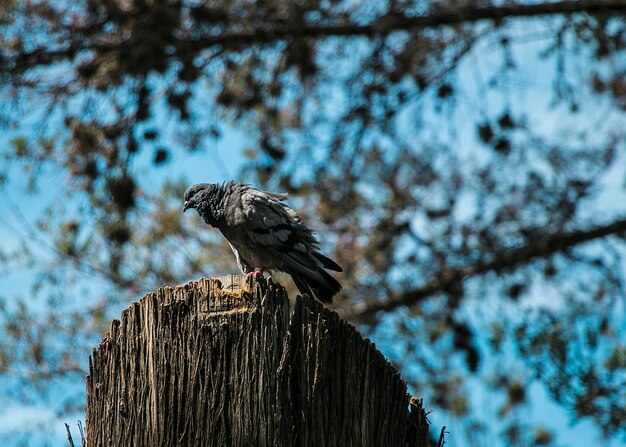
206 198
194 195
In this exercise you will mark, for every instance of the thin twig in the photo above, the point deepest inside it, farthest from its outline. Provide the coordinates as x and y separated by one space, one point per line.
69 435
442 436
81 430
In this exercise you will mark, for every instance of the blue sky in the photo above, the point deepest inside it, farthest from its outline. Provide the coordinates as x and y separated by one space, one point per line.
222 160
200 167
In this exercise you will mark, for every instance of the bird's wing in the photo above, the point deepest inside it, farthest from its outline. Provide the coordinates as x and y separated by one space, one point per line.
273 224
274 227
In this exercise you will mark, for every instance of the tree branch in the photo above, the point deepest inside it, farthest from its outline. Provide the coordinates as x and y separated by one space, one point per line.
397 22
275 32
538 248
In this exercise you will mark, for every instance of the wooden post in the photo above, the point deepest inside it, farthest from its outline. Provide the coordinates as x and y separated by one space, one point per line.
197 366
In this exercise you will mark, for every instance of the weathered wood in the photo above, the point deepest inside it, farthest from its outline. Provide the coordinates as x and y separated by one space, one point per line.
194 366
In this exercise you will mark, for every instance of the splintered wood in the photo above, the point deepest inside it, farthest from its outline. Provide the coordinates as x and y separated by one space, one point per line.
206 365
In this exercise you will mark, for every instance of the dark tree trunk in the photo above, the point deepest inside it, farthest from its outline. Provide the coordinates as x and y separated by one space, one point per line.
197 366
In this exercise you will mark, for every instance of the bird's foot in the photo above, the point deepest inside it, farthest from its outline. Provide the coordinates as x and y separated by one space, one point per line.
256 274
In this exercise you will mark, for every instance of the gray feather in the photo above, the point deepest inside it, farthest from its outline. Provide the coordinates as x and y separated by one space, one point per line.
264 232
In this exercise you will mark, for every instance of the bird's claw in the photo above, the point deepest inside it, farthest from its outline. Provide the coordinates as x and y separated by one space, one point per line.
256 274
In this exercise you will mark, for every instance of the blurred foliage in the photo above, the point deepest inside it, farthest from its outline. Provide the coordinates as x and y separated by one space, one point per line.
458 158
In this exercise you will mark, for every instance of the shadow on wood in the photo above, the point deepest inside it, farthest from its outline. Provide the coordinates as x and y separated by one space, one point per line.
197 366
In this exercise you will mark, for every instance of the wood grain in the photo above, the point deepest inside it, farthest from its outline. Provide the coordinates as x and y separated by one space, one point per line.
197 365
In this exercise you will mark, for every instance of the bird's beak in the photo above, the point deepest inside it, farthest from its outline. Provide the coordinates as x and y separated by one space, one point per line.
185 205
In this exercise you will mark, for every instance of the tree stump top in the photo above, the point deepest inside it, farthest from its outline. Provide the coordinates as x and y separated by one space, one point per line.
198 365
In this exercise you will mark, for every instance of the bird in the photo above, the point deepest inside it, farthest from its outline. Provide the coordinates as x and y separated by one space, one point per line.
265 233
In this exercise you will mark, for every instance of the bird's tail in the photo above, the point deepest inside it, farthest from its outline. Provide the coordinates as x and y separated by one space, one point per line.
324 287
327 262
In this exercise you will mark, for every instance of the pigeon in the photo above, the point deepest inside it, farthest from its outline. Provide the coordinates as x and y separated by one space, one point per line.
265 233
